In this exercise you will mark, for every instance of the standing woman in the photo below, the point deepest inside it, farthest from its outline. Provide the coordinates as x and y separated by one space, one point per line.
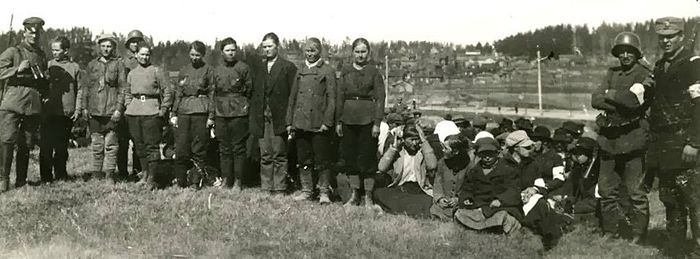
310 116
268 110
359 111
230 113
191 107
148 99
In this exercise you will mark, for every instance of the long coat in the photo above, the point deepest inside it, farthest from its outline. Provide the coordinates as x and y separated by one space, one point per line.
674 115
312 100
501 183
271 89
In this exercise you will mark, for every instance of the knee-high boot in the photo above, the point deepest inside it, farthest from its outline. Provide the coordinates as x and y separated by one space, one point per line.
6 151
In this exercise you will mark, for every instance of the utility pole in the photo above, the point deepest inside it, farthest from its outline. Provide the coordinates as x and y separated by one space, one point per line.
539 79
386 68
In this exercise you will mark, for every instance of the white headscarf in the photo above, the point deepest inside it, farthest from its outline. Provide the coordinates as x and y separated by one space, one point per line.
446 128
482 134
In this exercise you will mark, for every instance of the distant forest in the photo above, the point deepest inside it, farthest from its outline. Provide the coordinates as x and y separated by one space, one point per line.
558 39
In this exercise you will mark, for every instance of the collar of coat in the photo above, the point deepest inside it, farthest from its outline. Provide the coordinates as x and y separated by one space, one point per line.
351 69
28 47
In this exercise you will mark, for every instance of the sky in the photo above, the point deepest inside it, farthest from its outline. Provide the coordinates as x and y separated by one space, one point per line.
460 22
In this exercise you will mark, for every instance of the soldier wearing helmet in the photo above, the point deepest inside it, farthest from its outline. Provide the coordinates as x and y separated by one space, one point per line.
132 40
674 118
623 139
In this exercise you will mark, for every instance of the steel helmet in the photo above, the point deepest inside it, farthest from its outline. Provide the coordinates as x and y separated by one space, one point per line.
626 40
134 35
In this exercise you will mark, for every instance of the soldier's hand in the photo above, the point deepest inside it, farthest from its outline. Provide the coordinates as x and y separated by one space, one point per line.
690 154
162 113
323 128
375 131
24 65
452 202
116 116
86 113
173 121
75 116
339 130
443 203
495 204
210 123
290 130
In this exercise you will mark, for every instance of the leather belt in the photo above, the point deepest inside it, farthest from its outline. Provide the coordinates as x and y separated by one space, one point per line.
144 97
360 98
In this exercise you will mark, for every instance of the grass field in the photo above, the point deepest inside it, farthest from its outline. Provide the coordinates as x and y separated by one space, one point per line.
98 219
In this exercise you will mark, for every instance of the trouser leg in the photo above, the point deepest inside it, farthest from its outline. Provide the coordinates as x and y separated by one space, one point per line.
224 133
28 129
367 156
638 212
46 148
609 189
97 143
10 122
349 145
183 140
123 152
305 157
671 196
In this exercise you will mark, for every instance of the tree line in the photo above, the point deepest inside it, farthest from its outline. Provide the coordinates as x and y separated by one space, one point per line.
565 39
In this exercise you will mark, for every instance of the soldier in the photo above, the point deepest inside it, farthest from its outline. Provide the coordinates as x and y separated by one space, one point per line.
623 139
675 128
268 109
60 111
103 104
229 113
310 118
133 39
22 67
359 111
191 109
148 99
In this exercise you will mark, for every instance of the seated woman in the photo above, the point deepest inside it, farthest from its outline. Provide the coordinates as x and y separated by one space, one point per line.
413 163
490 196
449 176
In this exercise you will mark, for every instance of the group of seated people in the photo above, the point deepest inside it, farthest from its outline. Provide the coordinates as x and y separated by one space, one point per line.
488 176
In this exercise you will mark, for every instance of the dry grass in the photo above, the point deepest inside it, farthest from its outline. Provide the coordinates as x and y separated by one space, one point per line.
98 219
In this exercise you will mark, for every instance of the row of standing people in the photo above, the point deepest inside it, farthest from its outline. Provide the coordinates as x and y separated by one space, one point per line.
132 99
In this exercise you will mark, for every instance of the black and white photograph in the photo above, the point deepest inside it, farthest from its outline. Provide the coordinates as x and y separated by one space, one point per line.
350 129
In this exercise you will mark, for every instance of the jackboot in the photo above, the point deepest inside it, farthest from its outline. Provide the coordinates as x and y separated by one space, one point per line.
21 165
45 166
5 166
227 171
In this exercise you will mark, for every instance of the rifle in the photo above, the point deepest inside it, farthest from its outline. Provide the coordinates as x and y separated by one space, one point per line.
3 83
